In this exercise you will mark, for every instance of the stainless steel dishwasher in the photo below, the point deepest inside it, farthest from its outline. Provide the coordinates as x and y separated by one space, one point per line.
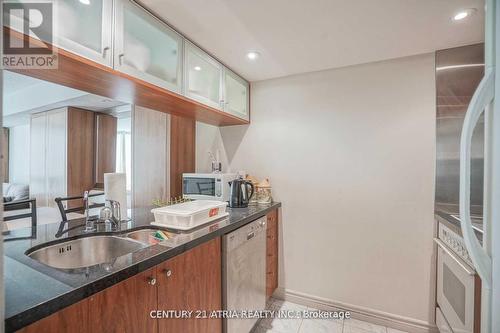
244 273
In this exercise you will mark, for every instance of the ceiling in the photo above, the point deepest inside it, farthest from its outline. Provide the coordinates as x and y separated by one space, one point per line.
297 36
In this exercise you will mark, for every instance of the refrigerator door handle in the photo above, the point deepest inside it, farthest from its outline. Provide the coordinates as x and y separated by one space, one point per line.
481 99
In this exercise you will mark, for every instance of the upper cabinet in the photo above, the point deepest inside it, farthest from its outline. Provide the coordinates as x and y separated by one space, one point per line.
85 28
147 48
202 77
123 35
236 95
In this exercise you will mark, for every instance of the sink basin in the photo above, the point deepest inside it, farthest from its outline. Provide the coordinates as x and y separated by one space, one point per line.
145 236
85 252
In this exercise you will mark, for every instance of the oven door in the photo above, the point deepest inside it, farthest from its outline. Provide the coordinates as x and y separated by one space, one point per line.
455 289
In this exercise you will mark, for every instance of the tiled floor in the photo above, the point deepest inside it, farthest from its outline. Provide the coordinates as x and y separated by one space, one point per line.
278 325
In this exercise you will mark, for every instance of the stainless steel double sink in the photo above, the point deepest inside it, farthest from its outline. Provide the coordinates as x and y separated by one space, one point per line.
91 250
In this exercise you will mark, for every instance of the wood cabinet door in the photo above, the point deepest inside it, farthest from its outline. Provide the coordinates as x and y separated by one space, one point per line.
73 319
191 281
126 306
105 146
272 253
80 153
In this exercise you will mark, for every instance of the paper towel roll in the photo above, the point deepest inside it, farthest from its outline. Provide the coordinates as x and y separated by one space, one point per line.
115 188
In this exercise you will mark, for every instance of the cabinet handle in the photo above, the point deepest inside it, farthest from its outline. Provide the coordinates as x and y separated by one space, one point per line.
151 280
105 51
120 58
168 272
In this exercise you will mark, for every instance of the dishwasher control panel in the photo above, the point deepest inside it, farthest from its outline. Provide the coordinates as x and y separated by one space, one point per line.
246 233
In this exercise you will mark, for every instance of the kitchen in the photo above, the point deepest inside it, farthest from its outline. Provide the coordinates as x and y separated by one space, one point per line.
321 146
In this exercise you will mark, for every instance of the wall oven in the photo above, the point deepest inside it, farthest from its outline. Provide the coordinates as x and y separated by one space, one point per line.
458 285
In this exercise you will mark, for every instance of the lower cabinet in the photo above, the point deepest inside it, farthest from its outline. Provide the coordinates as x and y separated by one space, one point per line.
125 307
272 253
190 281
74 319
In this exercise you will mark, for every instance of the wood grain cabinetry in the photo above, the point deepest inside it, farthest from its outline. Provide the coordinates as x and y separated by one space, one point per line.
125 307
80 153
191 281
74 319
272 253
182 151
105 146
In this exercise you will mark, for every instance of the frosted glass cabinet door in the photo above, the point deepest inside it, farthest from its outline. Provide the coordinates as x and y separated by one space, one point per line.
38 183
147 48
236 95
85 28
56 155
203 77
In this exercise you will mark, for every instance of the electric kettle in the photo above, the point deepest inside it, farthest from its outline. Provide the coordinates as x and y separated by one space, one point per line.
240 192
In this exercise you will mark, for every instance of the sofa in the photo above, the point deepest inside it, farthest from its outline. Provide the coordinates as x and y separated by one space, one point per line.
13 193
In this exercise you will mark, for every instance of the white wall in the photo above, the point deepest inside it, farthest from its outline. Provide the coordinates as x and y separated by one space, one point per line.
350 153
19 154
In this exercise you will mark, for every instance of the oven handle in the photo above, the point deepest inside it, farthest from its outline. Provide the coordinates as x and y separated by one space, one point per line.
459 261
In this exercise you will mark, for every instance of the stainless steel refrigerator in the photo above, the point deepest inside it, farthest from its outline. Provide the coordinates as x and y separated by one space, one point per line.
479 150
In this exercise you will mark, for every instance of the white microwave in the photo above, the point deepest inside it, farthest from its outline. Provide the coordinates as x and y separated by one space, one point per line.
207 186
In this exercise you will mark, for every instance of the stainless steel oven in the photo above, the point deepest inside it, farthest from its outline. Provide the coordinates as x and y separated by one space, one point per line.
458 285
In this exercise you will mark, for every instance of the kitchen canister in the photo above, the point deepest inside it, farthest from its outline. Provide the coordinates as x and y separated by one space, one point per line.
264 195
255 183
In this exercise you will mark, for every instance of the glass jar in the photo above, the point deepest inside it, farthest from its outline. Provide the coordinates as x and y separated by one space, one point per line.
264 193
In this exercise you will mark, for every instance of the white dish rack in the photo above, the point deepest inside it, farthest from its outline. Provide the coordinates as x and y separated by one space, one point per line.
188 215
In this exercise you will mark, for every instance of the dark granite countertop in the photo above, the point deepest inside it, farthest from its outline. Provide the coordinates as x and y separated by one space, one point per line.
34 290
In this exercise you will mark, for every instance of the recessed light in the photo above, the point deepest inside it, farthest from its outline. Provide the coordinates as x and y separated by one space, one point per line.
85 2
253 55
197 68
463 14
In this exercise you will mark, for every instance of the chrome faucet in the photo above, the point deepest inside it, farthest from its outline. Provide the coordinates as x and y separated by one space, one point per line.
89 223
112 214
116 214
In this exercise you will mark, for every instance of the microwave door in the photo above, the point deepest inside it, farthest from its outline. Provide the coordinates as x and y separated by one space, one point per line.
199 186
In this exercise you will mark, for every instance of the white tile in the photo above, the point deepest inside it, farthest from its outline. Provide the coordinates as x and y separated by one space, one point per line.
393 330
320 326
286 305
281 325
358 326
261 329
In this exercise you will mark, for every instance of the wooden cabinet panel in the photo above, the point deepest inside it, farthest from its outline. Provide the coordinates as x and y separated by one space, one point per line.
125 307
73 319
272 253
191 281
182 151
105 146
80 153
